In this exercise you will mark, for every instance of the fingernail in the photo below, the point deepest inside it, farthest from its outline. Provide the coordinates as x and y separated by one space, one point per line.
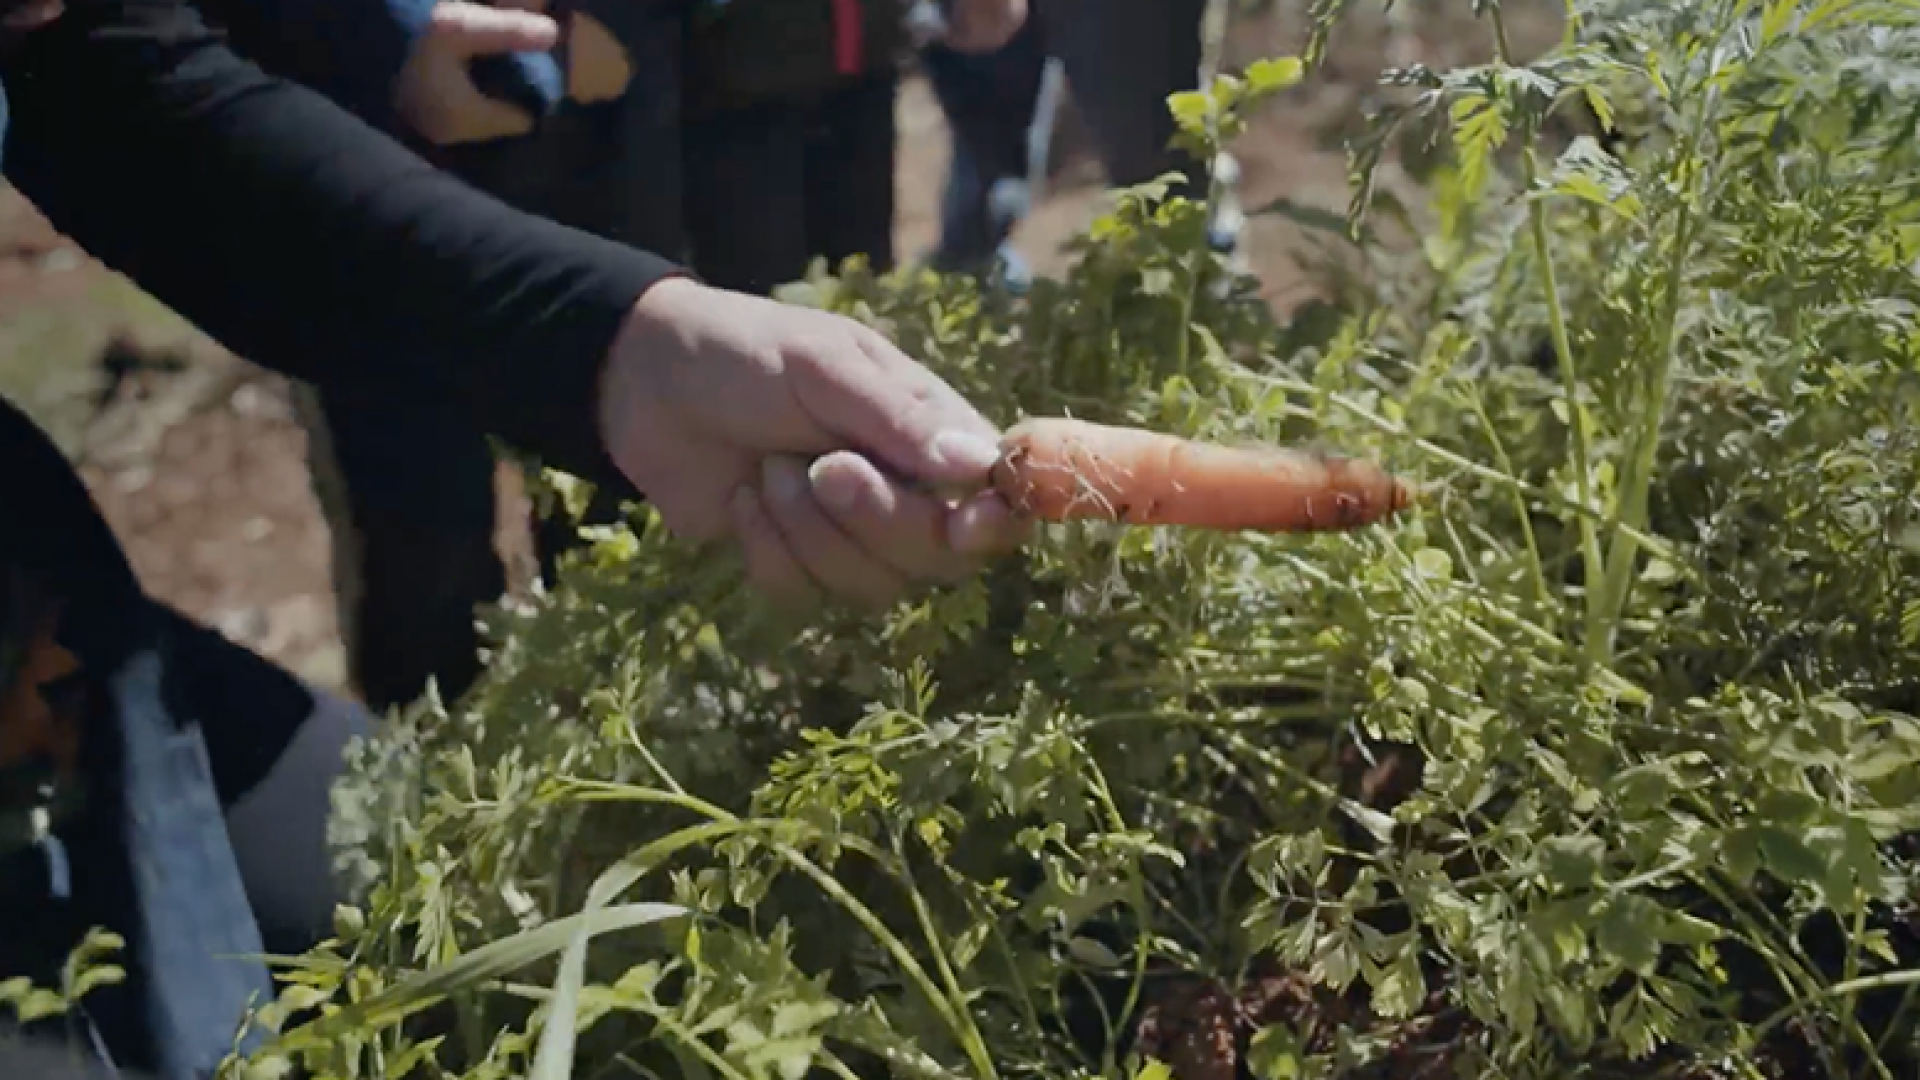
984 527
964 451
833 486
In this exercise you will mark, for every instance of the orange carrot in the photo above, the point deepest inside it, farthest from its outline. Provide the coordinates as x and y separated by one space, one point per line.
1057 469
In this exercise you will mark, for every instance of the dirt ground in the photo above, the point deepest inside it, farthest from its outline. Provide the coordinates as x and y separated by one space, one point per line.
199 463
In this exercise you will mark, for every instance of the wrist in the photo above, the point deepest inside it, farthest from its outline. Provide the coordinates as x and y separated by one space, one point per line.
646 336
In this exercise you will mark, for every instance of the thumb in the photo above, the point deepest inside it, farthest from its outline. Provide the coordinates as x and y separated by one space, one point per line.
471 30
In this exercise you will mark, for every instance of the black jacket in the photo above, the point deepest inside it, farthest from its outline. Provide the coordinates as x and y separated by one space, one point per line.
295 233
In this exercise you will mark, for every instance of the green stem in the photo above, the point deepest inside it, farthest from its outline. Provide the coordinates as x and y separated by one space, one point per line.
646 755
935 943
1797 985
1017 987
1562 346
1541 591
1637 484
839 1068
1136 898
1866 984
1803 970
1584 511
958 1019
695 1044
1617 583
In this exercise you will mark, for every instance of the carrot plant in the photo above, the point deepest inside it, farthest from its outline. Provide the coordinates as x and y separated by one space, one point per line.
1603 761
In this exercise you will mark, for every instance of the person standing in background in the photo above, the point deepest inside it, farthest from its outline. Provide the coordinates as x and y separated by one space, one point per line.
1122 58
994 107
747 137
790 132
409 488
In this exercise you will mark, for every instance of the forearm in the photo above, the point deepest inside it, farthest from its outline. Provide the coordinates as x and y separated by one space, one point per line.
300 237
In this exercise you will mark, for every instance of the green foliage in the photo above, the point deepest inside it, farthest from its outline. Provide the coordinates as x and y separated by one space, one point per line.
88 968
1605 761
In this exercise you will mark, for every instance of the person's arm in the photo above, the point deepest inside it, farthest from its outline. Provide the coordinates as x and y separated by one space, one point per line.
298 235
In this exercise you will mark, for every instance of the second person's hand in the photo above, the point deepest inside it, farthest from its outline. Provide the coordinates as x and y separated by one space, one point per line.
598 68
984 26
435 92
806 439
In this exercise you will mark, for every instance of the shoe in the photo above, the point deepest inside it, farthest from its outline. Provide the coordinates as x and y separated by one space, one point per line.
1227 218
1011 272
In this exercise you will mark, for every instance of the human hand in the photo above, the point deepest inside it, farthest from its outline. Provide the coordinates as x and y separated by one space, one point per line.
982 26
435 93
18 17
806 439
598 68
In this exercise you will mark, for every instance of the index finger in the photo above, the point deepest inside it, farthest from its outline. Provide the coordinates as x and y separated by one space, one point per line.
473 30
899 411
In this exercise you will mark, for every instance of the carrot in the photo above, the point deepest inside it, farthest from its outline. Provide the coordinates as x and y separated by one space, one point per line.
1057 470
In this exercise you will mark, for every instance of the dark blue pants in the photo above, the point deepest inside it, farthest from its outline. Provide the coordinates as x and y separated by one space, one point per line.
773 186
416 482
989 104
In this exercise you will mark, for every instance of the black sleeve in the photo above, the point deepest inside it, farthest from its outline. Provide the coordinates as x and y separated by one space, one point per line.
305 240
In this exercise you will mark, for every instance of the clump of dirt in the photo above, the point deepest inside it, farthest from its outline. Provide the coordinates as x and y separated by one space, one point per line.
1204 1028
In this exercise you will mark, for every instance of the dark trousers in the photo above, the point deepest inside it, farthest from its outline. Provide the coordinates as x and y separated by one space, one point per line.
413 483
1122 58
771 187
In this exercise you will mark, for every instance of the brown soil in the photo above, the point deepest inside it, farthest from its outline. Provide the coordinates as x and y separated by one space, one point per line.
198 462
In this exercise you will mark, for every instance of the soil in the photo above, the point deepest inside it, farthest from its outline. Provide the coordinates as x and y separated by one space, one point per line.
199 463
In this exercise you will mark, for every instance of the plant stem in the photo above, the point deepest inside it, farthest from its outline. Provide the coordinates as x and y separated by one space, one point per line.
1637 484
957 1017
1584 511
1521 512
694 1044
1792 977
1562 349
928 929
1886 980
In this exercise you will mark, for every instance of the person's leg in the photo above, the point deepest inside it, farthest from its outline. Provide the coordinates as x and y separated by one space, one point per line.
413 513
967 237
1123 58
852 143
643 191
626 163
408 490
989 103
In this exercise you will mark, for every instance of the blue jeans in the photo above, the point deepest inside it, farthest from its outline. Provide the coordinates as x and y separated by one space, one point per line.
989 103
